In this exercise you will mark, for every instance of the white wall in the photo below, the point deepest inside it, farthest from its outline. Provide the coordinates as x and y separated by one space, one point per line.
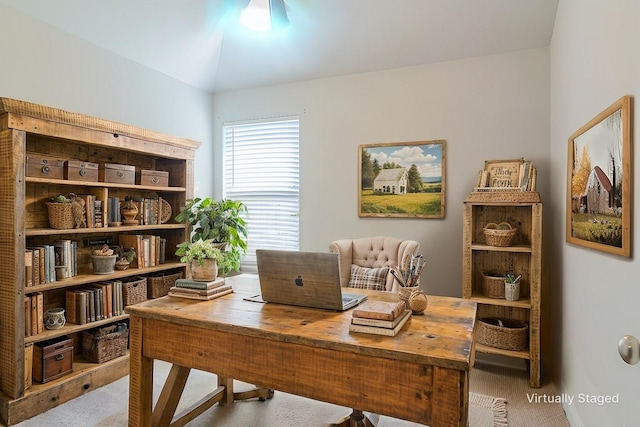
493 107
595 60
47 66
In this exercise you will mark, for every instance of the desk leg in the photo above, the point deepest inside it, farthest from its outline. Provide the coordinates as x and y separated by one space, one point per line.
170 395
261 393
140 378
357 418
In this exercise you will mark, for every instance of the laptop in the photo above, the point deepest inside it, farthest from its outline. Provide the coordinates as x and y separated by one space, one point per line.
307 279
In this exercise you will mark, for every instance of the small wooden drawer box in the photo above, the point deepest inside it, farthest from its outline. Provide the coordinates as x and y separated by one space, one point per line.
115 173
75 170
153 178
52 359
44 167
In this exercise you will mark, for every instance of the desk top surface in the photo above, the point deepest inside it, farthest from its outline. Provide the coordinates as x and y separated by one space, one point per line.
440 337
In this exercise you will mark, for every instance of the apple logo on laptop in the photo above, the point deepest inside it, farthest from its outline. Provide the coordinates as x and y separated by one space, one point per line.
298 281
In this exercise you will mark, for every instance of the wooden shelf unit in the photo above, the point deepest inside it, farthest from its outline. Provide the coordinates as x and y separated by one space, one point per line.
31 129
523 211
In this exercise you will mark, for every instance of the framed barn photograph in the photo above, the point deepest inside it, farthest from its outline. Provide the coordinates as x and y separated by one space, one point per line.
599 182
402 179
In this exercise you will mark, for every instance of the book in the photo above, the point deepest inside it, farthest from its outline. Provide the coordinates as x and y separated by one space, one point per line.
71 307
134 241
375 330
195 284
28 268
206 292
199 297
27 316
389 324
382 310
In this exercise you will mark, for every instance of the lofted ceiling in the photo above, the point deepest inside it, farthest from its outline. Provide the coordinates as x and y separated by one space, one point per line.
200 43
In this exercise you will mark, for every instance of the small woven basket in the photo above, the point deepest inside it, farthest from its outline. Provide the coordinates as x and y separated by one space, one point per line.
158 286
134 290
99 349
60 215
506 334
499 234
493 284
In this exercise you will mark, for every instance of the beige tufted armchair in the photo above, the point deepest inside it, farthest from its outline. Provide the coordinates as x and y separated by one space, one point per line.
373 253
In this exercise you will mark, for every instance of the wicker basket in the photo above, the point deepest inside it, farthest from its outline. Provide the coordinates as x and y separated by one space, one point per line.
60 215
134 290
506 334
493 284
99 349
158 286
499 234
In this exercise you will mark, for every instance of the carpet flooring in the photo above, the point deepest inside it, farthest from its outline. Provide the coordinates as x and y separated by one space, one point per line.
495 392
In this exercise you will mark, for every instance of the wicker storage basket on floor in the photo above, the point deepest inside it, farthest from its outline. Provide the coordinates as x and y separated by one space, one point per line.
134 290
100 348
507 334
158 286
499 234
493 284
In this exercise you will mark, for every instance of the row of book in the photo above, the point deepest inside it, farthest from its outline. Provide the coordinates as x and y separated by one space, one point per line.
193 289
33 314
41 262
150 249
149 210
379 317
96 302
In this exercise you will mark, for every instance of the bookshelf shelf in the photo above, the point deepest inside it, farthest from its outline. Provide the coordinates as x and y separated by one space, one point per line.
29 131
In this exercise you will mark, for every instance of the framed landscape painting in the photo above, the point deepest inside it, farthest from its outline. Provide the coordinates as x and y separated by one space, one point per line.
402 179
599 182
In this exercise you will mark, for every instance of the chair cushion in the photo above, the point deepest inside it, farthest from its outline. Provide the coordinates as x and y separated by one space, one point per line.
368 278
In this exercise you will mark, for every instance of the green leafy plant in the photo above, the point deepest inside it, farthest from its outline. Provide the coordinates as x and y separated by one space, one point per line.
61 198
198 251
511 278
222 221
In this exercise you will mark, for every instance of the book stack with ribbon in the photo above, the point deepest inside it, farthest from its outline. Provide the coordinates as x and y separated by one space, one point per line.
379 317
193 289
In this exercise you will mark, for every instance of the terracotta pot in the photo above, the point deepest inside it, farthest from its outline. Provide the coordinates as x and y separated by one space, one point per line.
206 272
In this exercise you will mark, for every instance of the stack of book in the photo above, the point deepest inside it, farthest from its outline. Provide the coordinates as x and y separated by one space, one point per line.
193 289
379 317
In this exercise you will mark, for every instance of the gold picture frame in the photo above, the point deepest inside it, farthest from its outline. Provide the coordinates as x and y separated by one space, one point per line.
402 179
598 212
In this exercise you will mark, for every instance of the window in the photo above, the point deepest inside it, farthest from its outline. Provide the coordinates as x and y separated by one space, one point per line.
261 168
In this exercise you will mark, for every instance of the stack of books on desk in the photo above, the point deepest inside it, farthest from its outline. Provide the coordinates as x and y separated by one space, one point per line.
379 317
193 289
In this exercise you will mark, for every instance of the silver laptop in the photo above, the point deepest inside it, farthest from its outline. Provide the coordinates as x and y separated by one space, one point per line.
308 279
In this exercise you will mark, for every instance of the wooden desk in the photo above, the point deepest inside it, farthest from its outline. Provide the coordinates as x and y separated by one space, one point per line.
420 375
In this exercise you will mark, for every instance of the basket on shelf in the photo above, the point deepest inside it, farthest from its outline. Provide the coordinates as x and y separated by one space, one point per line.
100 345
158 286
60 215
493 284
506 334
499 234
134 290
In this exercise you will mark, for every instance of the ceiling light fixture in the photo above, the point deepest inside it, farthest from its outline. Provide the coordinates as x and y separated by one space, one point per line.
265 15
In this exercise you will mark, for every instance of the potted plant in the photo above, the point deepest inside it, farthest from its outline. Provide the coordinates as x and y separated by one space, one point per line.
125 259
202 257
512 287
103 260
221 221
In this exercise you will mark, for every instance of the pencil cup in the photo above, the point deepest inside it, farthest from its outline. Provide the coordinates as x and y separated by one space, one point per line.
512 291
